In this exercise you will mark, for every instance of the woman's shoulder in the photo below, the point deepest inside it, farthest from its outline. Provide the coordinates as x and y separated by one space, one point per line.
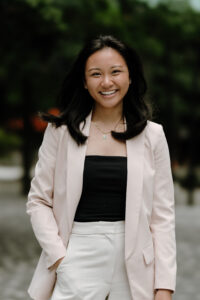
154 128
154 131
53 127
54 132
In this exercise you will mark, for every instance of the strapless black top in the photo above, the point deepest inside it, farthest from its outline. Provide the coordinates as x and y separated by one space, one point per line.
103 195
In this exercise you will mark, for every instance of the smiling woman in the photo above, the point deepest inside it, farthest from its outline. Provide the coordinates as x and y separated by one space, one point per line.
107 77
102 201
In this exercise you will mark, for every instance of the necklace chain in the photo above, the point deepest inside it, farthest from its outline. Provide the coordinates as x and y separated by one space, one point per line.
106 132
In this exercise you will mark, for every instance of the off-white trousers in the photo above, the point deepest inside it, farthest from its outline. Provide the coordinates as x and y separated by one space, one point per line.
94 265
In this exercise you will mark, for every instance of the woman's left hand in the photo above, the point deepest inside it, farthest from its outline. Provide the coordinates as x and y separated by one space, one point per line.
163 295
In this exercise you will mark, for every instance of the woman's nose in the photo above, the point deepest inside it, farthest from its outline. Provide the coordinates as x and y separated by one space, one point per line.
106 82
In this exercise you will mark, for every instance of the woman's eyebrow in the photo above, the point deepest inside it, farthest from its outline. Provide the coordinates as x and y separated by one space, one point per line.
92 69
117 66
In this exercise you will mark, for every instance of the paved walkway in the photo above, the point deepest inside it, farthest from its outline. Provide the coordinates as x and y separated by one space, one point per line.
19 250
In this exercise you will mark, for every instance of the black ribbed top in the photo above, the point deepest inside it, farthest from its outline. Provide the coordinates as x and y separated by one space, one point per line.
103 195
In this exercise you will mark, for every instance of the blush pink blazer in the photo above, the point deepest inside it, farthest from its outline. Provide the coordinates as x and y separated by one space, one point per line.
150 250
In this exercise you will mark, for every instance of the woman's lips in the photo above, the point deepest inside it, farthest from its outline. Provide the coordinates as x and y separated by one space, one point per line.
108 93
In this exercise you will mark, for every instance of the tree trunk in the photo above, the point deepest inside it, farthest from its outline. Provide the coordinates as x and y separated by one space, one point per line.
27 135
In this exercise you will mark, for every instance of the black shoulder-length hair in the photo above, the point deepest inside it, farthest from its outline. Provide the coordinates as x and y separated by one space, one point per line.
76 102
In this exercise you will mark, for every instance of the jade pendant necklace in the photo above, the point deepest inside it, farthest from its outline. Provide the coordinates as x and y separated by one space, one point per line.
105 133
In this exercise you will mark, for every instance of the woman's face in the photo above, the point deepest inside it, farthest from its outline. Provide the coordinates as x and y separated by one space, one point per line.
107 77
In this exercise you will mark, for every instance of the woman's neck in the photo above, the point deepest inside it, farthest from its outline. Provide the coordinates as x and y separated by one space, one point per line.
106 116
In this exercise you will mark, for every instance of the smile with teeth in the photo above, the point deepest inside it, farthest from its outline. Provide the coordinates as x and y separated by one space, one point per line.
108 93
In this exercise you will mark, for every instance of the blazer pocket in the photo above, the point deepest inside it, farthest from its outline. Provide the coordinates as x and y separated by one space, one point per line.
148 254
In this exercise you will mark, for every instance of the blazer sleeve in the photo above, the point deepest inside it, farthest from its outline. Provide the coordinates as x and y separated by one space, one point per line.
163 218
40 199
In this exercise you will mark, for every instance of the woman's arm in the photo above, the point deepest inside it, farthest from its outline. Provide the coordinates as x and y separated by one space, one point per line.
40 199
163 220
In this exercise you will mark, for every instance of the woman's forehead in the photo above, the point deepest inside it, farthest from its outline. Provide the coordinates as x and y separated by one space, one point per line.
106 57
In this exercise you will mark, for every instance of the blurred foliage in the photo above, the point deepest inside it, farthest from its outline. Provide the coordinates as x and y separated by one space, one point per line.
41 38
9 141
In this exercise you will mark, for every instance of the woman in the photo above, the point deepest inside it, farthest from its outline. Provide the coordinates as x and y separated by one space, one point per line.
101 201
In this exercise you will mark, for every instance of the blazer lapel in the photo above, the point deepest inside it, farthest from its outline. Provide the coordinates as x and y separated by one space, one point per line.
135 157
74 171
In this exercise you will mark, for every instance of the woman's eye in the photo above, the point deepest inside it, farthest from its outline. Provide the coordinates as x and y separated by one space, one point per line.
116 71
96 74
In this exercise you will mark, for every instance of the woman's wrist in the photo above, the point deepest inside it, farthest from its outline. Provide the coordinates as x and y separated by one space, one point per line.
163 294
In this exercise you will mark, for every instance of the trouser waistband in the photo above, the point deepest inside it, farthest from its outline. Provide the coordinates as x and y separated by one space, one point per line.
98 227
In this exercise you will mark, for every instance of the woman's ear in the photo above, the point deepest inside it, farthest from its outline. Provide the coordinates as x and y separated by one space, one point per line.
130 81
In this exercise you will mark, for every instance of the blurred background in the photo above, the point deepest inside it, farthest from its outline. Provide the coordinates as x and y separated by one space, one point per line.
39 41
